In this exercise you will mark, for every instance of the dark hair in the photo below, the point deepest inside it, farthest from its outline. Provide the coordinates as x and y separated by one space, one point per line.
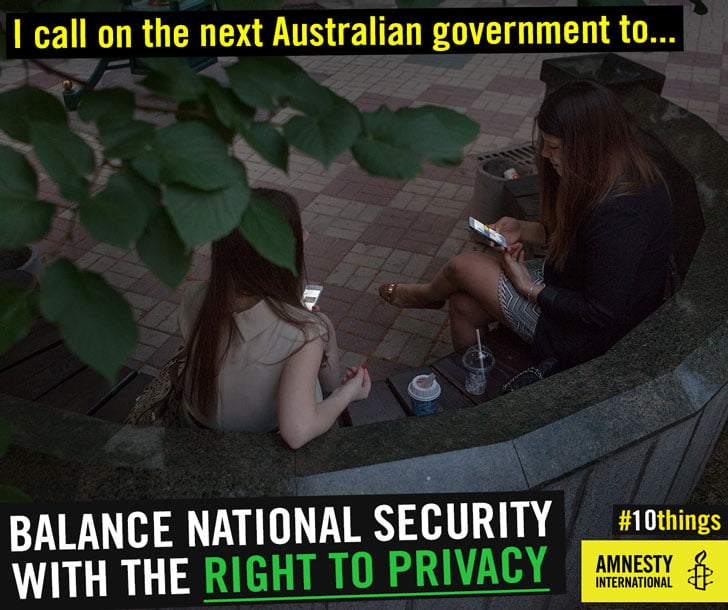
600 157
237 270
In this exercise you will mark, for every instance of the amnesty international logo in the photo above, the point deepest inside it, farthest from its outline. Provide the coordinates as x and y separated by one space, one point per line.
700 572
654 571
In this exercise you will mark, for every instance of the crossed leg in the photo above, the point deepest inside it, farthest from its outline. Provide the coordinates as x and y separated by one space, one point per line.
470 282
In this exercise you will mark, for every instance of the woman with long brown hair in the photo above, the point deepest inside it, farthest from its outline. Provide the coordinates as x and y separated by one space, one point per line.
257 359
606 222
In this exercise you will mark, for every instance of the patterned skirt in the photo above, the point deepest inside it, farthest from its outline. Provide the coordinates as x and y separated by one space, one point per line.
517 309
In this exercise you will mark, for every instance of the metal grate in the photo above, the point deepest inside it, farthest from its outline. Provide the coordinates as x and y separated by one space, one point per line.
522 155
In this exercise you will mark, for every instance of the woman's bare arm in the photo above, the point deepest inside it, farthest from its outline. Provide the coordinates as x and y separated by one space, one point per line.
330 372
533 233
300 417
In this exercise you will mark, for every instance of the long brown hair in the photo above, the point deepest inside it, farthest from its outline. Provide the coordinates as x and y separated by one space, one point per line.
238 270
600 157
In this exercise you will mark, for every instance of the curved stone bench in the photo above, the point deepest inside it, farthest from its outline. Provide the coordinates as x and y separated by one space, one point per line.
635 425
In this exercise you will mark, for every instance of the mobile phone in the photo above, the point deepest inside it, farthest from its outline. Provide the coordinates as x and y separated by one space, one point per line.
487 232
311 295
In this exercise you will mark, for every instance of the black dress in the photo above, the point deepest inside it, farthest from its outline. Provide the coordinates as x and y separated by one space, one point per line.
613 278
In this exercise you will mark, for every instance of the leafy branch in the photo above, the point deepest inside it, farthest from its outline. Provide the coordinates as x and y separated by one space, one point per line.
177 186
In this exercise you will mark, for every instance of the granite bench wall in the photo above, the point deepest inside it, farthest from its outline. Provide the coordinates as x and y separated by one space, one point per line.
635 425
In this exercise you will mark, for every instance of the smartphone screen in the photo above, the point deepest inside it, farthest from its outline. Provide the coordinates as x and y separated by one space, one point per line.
311 295
487 232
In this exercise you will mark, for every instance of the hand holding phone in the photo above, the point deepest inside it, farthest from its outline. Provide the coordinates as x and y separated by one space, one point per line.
311 295
487 232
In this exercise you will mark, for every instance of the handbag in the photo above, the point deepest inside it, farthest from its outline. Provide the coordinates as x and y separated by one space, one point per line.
161 403
531 375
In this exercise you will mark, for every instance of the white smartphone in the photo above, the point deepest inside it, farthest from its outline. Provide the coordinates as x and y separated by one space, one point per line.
311 295
487 232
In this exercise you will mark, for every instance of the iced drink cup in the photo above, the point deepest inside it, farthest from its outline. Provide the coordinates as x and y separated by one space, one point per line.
478 364
424 392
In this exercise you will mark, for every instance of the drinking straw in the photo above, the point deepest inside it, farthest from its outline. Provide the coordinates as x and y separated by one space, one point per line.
480 348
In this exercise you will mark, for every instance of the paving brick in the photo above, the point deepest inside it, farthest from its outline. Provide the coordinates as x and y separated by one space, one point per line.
140 301
421 328
163 354
151 337
353 343
416 351
160 312
392 344
117 280
142 352
360 328
130 269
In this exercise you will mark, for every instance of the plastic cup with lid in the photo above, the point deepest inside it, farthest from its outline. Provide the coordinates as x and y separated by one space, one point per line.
478 363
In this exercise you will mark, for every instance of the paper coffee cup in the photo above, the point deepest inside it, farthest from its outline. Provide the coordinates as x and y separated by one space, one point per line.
423 398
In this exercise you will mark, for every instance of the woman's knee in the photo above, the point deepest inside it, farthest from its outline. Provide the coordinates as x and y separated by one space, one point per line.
462 267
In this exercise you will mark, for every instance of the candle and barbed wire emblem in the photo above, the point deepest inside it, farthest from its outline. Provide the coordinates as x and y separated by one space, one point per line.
700 572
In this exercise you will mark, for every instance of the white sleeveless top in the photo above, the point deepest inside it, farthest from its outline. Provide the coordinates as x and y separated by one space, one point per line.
251 371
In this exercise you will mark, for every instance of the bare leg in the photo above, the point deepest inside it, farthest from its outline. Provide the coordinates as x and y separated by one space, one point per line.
474 273
466 315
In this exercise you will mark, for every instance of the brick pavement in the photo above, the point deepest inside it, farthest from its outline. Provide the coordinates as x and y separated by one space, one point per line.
365 230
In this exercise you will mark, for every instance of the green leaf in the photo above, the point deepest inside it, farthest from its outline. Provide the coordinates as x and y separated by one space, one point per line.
65 156
231 112
94 320
249 5
262 82
23 220
396 143
18 311
8 493
383 158
268 231
17 177
124 141
172 78
24 105
268 143
200 110
163 251
192 153
325 136
147 194
112 105
201 216
149 166
439 133
115 215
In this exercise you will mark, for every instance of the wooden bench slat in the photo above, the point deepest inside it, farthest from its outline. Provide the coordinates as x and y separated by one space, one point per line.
450 398
42 336
381 405
84 390
37 375
118 406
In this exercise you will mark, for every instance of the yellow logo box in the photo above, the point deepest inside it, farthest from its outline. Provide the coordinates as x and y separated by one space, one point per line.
687 571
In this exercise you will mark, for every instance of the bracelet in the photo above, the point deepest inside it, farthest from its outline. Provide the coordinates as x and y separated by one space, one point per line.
530 290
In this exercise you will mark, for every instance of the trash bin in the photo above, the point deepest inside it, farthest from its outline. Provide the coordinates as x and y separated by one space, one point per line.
487 204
